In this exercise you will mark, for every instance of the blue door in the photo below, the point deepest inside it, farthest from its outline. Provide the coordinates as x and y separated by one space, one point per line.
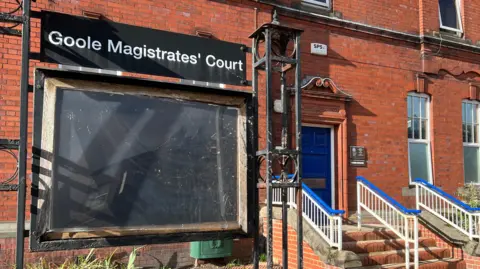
316 161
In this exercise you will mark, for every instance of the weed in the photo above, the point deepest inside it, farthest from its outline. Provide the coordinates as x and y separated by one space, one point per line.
234 263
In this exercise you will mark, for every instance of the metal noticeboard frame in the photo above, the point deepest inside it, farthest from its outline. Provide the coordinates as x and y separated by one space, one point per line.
38 239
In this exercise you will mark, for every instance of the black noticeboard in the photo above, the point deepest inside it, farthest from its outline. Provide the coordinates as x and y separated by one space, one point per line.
80 41
122 161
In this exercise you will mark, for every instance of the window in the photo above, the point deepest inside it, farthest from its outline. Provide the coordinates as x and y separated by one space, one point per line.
323 3
471 146
450 15
418 137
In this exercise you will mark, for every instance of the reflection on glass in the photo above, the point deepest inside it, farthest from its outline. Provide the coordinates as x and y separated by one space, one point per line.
474 113
416 128
424 129
410 129
125 160
416 106
475 134
470 160
409 106
419 161
469 133
422 108
469 113
448 13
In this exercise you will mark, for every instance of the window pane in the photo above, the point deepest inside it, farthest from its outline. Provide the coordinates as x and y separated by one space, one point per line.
448 13
409 106
410 129
475 133
470 160
469 133
424 129
464 112
464 130
474 113
419 161
468 117
423 113
416 128
416 106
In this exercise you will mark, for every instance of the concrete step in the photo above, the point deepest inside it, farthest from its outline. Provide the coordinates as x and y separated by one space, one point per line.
429 264
398 256
384 245
364 235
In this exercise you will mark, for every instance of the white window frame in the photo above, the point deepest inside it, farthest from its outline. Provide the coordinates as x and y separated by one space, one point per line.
317 3
421 141
468 144
459 18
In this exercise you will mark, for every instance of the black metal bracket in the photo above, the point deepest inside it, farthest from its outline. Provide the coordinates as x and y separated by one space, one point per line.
10 31
9 143
6 17
8 187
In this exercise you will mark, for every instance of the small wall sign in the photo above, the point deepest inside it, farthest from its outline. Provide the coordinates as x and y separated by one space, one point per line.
318 49
358 156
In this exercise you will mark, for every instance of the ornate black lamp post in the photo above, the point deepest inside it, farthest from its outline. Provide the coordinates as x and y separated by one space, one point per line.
281 46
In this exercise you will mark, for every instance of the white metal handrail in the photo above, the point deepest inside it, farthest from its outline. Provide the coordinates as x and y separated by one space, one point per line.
448 208
326 221
402 221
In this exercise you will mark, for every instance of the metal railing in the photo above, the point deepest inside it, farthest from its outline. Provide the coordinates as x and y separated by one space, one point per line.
325 220
448 208
402 221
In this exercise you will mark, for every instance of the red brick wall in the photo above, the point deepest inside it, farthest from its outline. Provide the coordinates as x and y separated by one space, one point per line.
469 11
401 15
310 259
175 255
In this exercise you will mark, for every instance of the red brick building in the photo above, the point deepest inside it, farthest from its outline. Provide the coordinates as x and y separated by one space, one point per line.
399 78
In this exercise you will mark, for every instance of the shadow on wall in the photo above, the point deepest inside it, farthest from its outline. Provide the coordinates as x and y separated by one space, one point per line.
355 109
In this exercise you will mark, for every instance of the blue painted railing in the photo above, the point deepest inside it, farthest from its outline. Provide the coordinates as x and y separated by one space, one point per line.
321 203
318 200
456 213
389 199
325 220
446 195
392 214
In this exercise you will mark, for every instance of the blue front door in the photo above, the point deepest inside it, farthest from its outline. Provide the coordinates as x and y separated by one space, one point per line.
316 161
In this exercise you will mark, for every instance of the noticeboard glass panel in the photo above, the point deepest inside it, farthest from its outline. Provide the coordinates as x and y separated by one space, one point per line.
126 160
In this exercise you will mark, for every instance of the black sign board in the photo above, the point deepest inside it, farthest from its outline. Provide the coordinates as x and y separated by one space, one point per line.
358 156
79 41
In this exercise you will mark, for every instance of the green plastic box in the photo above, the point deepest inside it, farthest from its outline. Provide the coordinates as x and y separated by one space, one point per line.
211 249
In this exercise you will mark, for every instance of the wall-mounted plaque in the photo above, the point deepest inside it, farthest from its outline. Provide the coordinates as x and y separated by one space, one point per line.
358 156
